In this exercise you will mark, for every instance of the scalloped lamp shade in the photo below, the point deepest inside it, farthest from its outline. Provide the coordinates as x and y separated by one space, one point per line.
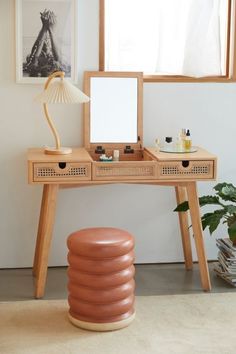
62 92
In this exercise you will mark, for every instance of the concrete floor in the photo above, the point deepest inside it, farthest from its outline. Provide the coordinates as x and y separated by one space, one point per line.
151 279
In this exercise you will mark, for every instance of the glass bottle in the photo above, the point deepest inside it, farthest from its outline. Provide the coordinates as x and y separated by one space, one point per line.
188 141
168 143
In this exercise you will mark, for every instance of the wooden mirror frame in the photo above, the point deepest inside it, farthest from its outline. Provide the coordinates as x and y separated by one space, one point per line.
86 112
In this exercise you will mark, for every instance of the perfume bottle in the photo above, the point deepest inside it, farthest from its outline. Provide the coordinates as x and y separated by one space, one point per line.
168 143
178 143
116 155
188 141
157 144
183 137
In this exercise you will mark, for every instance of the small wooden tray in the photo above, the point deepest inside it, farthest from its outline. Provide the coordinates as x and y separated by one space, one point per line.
175 151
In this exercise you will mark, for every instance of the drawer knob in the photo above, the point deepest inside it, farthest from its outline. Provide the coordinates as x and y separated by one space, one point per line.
62 165
185 163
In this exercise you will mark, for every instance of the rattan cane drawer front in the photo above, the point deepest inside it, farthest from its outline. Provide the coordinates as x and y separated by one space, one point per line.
129 170
186 169
61 172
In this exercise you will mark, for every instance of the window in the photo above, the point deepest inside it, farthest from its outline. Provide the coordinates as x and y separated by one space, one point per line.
168 40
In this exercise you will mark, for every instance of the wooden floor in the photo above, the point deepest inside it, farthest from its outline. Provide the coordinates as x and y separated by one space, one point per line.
151 279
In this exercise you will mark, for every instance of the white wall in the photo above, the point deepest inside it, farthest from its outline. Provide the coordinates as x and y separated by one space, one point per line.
209 110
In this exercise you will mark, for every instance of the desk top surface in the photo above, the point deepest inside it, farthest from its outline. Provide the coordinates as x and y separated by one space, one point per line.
200 154
37 154
79 167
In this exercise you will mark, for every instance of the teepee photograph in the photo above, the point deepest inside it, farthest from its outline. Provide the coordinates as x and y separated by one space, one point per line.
45 39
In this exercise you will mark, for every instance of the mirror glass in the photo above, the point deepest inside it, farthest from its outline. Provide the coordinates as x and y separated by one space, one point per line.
113 110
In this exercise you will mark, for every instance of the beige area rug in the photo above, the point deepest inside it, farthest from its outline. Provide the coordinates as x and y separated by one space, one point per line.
191 324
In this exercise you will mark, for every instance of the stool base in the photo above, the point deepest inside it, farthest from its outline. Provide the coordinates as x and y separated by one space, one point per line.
101 327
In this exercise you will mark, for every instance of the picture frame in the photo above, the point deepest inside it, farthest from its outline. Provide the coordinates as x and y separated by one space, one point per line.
46 39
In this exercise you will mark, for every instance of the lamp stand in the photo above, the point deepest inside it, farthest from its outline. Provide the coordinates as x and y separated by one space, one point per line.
60 91
58 150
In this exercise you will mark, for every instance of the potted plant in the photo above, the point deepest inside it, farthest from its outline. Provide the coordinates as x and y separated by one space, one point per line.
225 212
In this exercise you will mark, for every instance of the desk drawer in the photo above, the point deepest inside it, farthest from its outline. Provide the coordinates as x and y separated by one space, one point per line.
186 170
127 170
61 172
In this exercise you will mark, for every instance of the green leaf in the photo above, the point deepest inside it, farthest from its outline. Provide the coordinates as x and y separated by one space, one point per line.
212 220
231 219
215 222
231 209
206 219
218 187
232 231
226 191
209 199
182 207
204 200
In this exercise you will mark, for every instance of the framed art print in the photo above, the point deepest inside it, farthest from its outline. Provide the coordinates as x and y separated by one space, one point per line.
46 39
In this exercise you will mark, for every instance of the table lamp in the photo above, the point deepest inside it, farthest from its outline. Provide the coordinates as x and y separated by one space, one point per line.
59 91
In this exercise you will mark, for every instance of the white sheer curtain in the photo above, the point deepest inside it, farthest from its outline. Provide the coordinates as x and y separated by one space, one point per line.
166 37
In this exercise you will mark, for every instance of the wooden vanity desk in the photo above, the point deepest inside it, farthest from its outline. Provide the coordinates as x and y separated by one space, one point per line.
142 166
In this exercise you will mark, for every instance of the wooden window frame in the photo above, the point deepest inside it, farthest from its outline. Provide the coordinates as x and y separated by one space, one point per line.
230 56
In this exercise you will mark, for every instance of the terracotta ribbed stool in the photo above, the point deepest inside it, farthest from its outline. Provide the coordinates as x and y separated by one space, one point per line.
101 284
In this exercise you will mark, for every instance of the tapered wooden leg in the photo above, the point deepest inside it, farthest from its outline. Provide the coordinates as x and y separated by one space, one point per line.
39 235
46 227
198 235
181 196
